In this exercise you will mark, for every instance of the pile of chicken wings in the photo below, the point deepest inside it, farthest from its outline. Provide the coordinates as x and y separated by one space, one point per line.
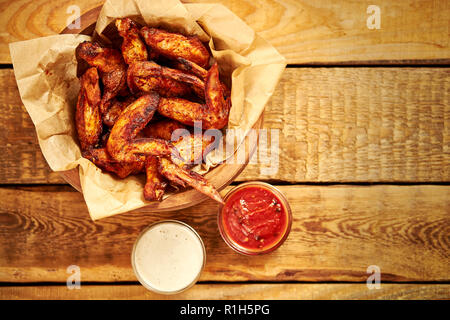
134 97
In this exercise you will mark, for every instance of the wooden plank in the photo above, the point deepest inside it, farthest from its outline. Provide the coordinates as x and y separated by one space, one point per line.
323 291
27 19
359 125
337 233
335 125
21 159
307 31
324 32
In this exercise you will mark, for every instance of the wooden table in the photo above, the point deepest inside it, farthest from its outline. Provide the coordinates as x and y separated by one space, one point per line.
364 119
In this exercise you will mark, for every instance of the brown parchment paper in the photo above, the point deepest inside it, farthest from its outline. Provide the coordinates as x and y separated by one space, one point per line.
45 70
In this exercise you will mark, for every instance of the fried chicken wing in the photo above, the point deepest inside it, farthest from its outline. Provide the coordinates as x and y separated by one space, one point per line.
103 160
133 48
114 109
111 66
218 99
191 147
163 129
103 139
183 177
195 69
148 76
213 115
87 117
191 67
123 145
155 184
174 45
114 118
184 111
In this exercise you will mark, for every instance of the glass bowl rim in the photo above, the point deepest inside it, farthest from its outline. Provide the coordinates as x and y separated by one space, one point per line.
133 252
242 250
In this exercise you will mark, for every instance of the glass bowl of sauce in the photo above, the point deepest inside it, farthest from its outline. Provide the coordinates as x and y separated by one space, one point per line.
255 219
168 257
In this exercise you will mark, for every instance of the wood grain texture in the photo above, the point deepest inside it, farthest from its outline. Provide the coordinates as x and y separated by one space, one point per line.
26 19
323 291
335 125
364 124
337 232
21 159
306 31
323 31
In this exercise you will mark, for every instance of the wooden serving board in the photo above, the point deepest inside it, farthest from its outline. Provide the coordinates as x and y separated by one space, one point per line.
220 176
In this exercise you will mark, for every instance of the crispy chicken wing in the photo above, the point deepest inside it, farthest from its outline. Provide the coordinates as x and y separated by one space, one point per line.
123 145
191 67
184 111
217 96
184 177
102 159
111 66
103 138
155 184
195 69
174 45
114 110
133 48
87 117
191 147
148 76
113 125
163 129
213 115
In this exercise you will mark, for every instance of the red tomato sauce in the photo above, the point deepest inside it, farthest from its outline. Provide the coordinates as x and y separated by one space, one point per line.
254 218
